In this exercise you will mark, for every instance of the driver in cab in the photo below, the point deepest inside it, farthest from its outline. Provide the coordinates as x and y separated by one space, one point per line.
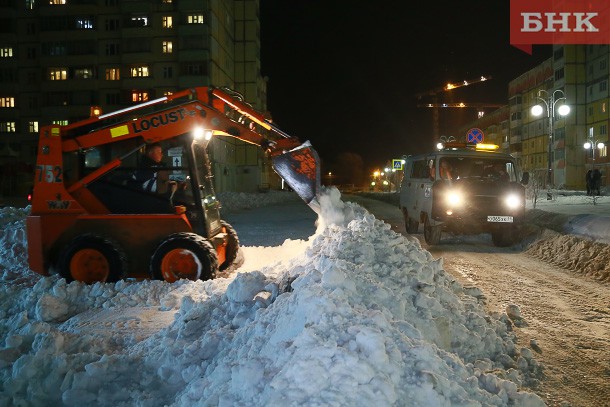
445 170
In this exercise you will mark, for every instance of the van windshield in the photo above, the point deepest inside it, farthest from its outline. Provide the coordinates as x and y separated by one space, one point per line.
479 168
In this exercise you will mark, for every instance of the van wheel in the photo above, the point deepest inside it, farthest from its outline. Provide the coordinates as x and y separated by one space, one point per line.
184 256
432 234
504 236
91 259
411 225
232 245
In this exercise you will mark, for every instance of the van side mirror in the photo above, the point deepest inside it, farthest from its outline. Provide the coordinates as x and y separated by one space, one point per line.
526 178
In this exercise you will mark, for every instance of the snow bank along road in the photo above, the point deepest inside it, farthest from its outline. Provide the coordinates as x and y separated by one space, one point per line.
565 312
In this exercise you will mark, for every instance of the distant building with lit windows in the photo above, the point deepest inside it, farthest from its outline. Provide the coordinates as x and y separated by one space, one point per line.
581 73
61 58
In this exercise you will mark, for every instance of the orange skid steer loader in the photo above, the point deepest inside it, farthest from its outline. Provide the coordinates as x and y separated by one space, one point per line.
91 218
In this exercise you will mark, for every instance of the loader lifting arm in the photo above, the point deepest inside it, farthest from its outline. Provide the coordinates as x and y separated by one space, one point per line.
207 112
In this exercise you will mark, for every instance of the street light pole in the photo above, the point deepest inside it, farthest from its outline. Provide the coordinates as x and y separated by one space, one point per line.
593 145
550 102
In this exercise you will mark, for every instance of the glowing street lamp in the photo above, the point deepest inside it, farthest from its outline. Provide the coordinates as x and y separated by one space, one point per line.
593 145
550 104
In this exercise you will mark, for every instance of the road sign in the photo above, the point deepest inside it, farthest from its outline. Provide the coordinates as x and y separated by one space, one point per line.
474 135
397 164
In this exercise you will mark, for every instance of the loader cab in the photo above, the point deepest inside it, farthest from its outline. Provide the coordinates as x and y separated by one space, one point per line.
185 163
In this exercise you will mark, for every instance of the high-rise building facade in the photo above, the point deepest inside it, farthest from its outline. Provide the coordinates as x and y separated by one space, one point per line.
59 59
577 76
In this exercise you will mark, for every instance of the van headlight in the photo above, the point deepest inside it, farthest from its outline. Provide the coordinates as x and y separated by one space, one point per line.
454 198
513 201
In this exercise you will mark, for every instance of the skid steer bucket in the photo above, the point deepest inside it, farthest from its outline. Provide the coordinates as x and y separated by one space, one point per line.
300 168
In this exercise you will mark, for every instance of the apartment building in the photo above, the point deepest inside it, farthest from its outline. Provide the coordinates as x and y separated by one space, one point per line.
576 76
59 59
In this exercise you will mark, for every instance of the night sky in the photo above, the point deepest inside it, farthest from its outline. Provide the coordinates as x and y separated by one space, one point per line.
345 74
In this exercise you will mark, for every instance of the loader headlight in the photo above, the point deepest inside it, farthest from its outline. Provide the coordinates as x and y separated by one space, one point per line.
200 133
513 201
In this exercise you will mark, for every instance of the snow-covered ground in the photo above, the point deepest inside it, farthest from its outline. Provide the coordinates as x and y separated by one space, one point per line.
347 312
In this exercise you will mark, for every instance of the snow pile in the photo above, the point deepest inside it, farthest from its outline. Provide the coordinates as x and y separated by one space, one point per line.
363 316
13 242
574 253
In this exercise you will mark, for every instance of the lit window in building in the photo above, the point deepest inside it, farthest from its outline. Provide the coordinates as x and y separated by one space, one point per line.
6 52
7 101
58 74
195 19
7 127
603 107
54 2
61 122
139 96
139 21
168 93
167 47
167 22
113 74
167 1
29 4
33 127
139 71
84 23
83 73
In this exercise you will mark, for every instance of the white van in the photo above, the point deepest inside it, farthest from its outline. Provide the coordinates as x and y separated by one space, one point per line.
464 190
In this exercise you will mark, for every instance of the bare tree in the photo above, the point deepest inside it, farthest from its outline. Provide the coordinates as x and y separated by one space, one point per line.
536 184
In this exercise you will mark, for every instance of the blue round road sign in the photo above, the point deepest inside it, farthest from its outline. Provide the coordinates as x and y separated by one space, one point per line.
474 135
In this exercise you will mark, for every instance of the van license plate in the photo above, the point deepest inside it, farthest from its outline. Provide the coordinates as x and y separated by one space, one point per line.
508 219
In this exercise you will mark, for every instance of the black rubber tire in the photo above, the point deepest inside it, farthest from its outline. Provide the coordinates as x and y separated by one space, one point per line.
411 225
232 245
432 234
195 246
106 262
